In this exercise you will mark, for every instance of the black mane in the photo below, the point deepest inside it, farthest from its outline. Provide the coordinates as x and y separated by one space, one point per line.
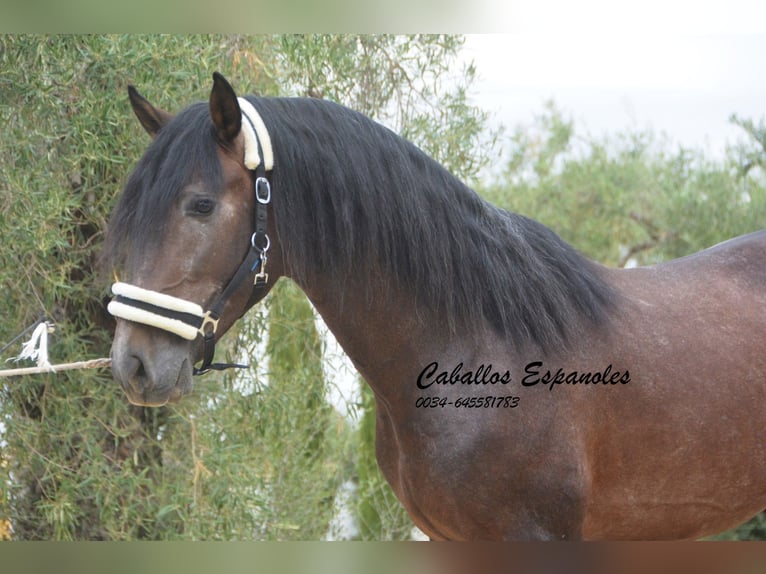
352 197
354 200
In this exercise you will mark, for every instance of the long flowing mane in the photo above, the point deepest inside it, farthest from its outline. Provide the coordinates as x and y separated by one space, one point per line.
354 200
352 197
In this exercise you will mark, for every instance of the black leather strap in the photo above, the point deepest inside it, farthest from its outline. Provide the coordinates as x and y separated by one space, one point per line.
188 318
253 261
248 266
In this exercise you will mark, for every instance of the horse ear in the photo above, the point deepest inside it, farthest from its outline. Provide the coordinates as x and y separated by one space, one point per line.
224 109
151 118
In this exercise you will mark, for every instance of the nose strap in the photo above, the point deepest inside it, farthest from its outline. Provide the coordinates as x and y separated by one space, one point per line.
155 309
172 314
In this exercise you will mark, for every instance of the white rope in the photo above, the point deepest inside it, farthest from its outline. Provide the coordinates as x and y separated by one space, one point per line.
36 349
91 364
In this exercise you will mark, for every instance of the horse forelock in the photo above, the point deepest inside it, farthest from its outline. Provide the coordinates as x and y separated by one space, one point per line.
184 149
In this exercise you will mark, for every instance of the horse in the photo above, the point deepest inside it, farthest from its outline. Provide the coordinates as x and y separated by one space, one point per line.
522 391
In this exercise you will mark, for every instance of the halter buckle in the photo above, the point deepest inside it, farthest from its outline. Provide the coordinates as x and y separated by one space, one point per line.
208 320
262 190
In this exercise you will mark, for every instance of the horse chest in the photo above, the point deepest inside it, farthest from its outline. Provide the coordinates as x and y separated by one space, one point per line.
465 475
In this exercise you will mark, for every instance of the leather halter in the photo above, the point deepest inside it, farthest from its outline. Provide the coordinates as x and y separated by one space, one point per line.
187 319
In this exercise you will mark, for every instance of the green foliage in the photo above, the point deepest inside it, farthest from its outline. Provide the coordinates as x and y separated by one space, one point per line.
750 155
627 198
409 83
754 529
379 513
305 440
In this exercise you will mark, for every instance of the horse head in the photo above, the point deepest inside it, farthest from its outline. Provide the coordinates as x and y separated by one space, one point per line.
189 239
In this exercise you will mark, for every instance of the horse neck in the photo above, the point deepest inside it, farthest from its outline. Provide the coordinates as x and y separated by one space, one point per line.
385 337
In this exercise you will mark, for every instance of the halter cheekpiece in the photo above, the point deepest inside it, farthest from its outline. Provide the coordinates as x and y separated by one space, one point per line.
189 320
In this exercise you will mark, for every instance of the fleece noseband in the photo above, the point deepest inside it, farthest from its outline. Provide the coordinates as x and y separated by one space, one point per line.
189 320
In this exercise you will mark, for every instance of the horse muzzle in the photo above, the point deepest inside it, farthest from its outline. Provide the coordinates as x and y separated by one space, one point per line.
152 369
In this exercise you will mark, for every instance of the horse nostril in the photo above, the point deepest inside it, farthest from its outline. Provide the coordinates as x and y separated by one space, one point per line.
133 372
139 372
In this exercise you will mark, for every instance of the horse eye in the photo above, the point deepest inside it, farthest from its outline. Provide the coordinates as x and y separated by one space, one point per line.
202 206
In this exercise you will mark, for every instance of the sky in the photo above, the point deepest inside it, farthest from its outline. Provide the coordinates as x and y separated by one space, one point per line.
686 86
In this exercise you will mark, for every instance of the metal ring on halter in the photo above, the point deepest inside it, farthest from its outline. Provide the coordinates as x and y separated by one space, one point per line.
261 249
207 319
261 183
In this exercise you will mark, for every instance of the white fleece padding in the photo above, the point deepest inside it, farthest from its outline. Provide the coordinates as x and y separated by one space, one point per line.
156 298
136 315
252 159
